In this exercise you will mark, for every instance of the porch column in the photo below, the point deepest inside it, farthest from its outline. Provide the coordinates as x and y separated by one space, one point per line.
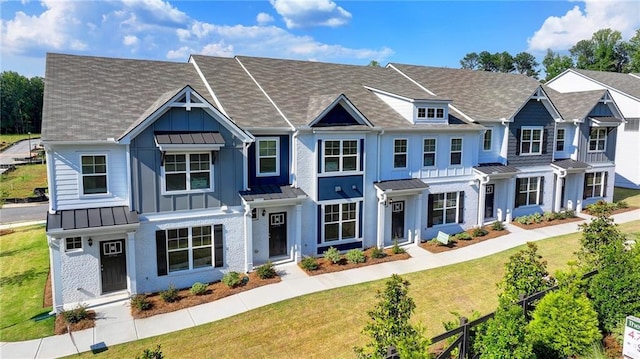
418 220
482 191
56 270
557 204
511 200
382 200
297 247
131 263
248 239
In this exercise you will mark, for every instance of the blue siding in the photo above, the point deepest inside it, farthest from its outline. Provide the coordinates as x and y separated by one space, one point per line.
340 247
532 114
337 116
327 187
281 180
601 109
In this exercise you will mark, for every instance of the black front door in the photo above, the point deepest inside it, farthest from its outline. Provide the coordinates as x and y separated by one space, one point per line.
562 194
277 234
488 201
113 265
397 220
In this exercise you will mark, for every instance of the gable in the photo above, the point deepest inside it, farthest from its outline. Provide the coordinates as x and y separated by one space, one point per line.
600 110
337 116
340 112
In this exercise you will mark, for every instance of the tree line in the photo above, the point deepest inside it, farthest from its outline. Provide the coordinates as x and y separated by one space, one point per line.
605 51
21 100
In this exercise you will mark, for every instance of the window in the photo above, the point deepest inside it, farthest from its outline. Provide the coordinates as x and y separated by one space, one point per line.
595 185
560 140
632 125
340 221
528 191
340 155
430 113
400 153
531 140
189 248
429 152
446 208
267 157
72 244
597 139
94 174
187 172
486 141
456 151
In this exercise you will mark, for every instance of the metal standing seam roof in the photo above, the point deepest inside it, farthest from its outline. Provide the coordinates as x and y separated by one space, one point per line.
272 192
570 164
91 218
626 83
402 184
496 169
188 138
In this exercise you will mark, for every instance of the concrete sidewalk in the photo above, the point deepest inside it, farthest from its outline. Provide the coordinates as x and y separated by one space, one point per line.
114 324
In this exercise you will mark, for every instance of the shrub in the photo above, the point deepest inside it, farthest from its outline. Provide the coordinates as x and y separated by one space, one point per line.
548 216
504 335
140 302
621 204
169 295
377 252
537 217
597 235
152 354
332 255
524 220
232 279
479 232
396 249
524 273
266 271
75 315
462 236
355 256
309 263
601 208
497 226
198 288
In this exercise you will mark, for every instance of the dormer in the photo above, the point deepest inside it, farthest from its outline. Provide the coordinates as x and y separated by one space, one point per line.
430 112
414 110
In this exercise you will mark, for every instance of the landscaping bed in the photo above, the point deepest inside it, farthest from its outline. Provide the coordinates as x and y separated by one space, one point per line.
62 327
539 220
326 266
434 246
547 223
186 299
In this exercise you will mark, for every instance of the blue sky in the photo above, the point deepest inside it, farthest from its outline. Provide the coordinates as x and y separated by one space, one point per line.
355 32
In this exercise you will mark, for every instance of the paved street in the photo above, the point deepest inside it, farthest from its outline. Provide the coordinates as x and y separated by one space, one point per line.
12 213
19 150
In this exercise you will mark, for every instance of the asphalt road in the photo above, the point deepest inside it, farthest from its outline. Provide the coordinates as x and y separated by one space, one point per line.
12 213
18 150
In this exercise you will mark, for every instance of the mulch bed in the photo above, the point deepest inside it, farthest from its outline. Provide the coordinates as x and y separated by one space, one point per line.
619 210
546 223
4 232
325 265
439 247
61 326
215 291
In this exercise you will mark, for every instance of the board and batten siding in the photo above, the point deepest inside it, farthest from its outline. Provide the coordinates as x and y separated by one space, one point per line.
608 155
146 162
67 177
532 114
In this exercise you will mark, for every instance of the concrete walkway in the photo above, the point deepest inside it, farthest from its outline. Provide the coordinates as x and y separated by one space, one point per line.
114 324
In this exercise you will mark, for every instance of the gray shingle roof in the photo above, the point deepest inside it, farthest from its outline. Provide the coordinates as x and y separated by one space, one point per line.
570 164
626 83
272 192
481 95
401 185
90 218
95 98
574 105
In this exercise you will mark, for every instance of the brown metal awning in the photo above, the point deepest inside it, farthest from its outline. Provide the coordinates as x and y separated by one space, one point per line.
571 165
402 186
187 140
271 193
77 219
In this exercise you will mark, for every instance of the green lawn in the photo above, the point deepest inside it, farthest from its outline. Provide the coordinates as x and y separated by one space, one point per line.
24 264
328 324
631 196
21 182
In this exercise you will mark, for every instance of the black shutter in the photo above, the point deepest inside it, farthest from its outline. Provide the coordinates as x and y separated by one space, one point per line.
604 190
320 155
517 203
161 252
218 248
541 190
585 188
517 136
430 211
545 140
461 207
319 224
360 218
361 154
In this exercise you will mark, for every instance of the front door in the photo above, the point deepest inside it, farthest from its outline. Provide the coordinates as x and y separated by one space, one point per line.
277 234
562 194
488 201
397 220
113 266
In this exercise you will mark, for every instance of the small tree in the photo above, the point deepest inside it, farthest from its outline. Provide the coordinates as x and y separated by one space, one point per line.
597 235
389 325
525 273
504 335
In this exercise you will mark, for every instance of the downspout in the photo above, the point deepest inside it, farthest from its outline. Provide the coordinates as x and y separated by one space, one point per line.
248 238
50 176
294 159
504 149
245 165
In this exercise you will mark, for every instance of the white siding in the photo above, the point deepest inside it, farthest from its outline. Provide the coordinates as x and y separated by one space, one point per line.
492 156
403 107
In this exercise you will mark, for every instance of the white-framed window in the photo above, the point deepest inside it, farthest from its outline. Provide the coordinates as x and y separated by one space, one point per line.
187 172
340 221
94 174
486 140
446 208
341 155
429 152
430 113
400 153
528 191
72 244
594 185
267 156
456 151
531 140
560 135
597 139
189 248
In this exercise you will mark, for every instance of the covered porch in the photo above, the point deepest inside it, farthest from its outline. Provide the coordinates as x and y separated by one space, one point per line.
400 204
496 191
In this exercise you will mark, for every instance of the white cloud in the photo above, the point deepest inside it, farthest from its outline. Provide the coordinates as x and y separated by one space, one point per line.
130 40
310 13
263 18
561 33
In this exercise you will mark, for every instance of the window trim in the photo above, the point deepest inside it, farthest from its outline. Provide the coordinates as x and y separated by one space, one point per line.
489 131
563 139
340 222
75 241
444 209
434 152
258 157
538 191
340 156
597 139
451 151
188 189
594 185
426 111
82 175
405 153
190 249
531 141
